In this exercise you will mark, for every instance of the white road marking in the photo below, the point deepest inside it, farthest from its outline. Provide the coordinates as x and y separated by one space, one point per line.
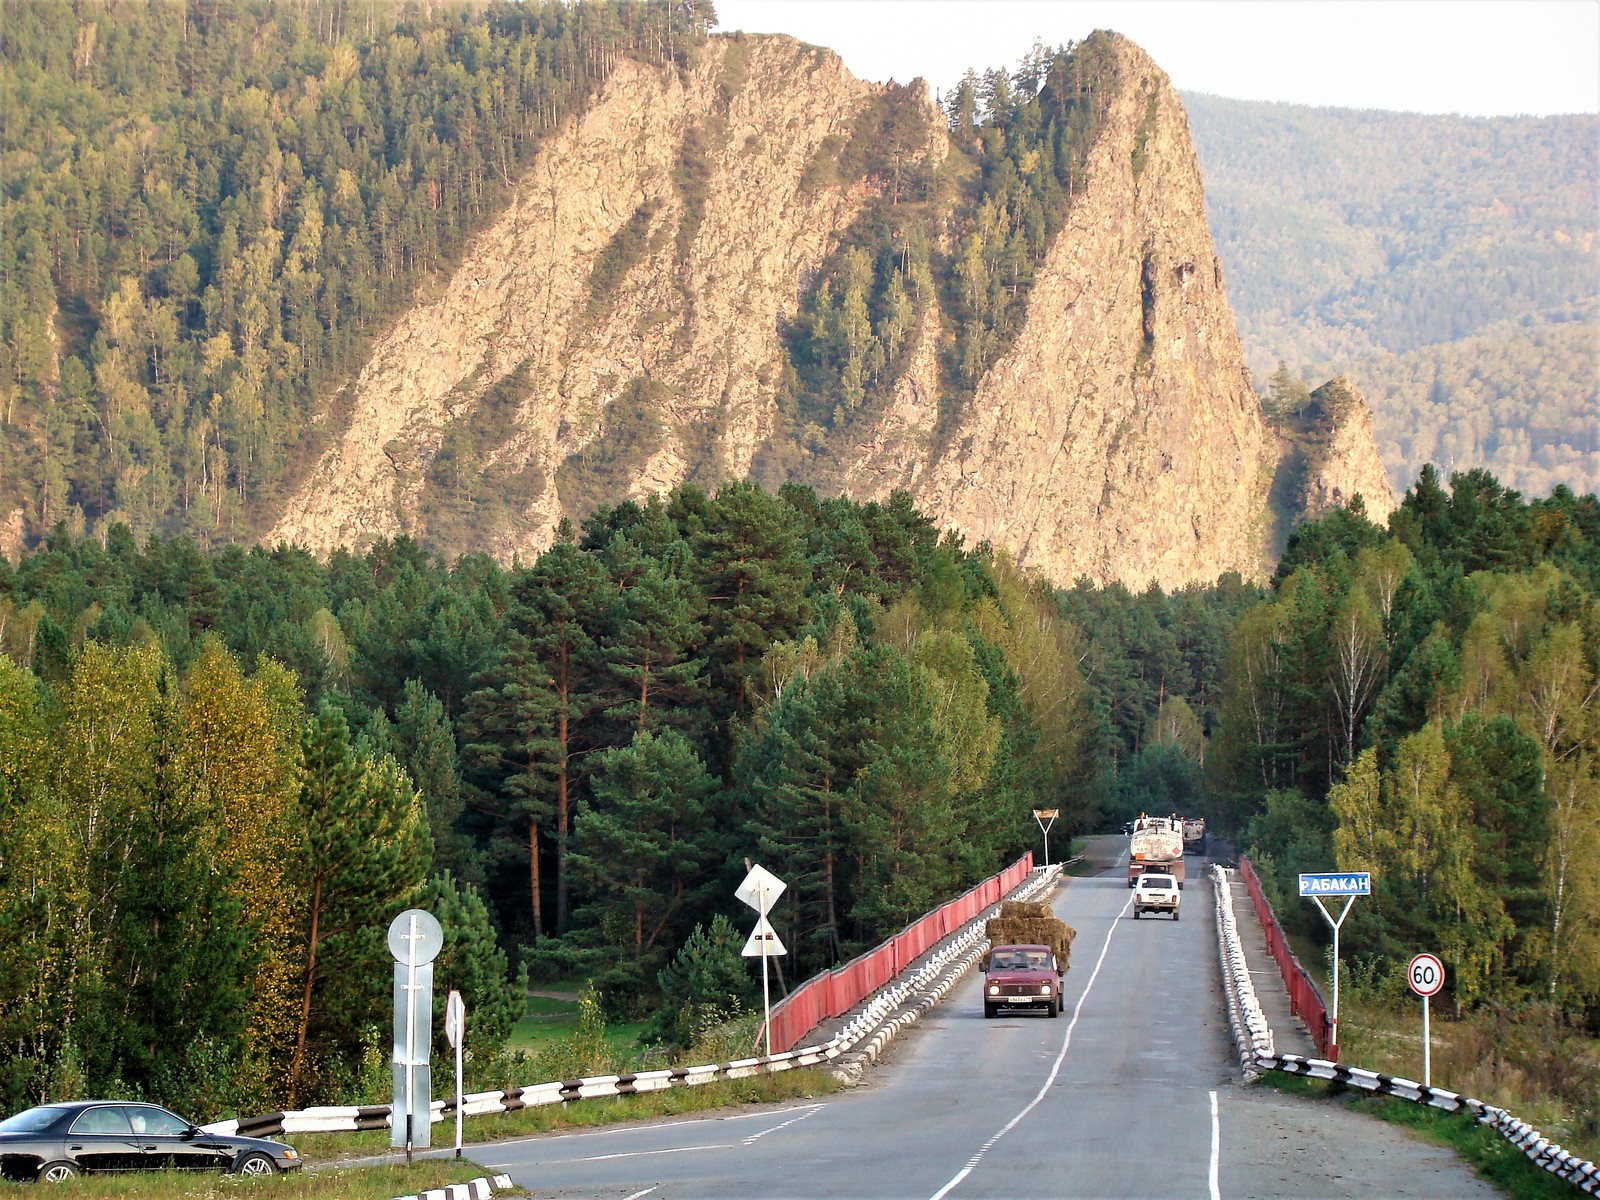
756 1137
1066 1043
646 1192
591 1133
647 1153
1216 1149
809 1110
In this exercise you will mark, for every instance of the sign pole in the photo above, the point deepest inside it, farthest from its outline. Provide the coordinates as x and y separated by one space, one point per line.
411 1030
760 890
1348 884
415 938
1046 817
1427 1046
1333 1019
1425 974
766 996
460 1012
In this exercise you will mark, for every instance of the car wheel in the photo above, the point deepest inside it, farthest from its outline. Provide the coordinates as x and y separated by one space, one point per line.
988 1012
1136 914
1174 914
56 1172
255 1163
1055 1009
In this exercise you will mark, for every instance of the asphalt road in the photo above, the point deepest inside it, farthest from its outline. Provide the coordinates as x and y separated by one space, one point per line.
1131 1092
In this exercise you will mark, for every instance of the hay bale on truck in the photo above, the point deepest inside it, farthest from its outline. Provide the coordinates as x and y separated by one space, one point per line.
1027 909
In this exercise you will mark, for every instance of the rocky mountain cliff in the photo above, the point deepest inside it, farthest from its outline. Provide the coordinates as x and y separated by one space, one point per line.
627 325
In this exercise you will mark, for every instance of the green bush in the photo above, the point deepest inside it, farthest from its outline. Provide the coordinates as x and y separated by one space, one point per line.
706 985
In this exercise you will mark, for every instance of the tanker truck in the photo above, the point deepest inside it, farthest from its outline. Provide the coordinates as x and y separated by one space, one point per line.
1194 835
1156 845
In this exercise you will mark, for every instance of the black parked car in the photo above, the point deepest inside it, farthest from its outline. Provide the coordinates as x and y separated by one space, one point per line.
58 1141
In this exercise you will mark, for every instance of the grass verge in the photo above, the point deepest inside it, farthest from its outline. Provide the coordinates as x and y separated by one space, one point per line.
802 1083
548 1019
1490 1155
353 1183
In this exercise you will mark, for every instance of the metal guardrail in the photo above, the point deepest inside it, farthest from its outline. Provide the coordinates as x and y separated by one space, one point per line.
1252 1033
835 992
1305 999
1580 1172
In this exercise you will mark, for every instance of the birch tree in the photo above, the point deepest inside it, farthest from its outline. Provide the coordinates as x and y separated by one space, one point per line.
1356 667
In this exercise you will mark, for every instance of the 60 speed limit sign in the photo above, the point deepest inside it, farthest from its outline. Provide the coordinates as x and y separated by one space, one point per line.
1425 974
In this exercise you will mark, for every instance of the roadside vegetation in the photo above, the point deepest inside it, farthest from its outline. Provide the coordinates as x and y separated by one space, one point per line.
1534 1061
804 1083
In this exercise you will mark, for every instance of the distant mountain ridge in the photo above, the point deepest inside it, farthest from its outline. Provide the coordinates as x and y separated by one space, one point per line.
464 274
1107 432
1449 265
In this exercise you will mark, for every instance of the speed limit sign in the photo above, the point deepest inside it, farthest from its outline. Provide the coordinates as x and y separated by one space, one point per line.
1425 975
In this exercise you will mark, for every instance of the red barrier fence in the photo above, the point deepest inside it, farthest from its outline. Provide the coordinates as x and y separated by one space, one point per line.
1305 1001
834 993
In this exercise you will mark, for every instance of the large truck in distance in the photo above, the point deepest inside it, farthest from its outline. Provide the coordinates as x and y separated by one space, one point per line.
1156 845
1194 835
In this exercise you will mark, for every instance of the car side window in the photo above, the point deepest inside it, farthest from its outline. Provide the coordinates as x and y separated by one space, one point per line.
102 1120
157 1122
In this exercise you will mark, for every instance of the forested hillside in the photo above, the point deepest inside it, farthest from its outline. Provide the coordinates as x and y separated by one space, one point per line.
1422 702
221 775
209 211
1456 286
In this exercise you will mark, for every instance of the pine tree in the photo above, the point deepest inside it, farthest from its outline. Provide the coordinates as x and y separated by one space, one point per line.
657 678
643 843
559 607
426 747
753 573
706 983
472 963
508 733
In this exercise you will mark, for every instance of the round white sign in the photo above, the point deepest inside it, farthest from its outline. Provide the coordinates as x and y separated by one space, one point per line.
415 937
1425 974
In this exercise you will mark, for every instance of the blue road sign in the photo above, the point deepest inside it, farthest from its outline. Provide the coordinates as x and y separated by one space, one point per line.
1337 883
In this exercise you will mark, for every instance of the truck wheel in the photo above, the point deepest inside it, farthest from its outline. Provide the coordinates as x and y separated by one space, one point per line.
988 1012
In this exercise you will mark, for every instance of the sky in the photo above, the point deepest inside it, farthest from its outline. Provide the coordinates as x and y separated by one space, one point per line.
1474 57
